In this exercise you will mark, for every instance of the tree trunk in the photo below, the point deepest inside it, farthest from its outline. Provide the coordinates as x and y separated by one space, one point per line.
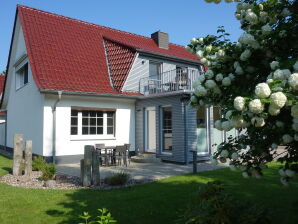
28 158
18 149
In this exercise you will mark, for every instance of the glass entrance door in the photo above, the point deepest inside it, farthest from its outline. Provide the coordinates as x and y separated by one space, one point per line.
167 132
150 129
203 139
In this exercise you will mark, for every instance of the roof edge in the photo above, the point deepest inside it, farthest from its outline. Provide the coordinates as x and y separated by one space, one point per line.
165 56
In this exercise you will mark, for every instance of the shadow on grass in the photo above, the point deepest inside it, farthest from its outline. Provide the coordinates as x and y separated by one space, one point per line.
164 201
7 169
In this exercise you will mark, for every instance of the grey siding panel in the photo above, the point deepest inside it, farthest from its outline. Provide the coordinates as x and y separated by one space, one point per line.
178 153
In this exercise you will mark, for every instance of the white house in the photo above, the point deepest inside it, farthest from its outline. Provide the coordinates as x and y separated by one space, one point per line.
71 83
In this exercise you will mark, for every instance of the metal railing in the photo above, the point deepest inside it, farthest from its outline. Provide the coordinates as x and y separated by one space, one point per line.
170 81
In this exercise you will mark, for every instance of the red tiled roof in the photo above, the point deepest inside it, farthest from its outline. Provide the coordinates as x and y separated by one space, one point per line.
2 80
68 54
120 59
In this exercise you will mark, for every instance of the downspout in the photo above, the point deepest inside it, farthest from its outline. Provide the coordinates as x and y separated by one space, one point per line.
54 127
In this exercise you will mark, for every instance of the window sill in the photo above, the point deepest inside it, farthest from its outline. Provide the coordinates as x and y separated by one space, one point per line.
21 87
90 137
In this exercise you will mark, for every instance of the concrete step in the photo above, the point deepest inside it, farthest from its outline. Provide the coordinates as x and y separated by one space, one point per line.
145 158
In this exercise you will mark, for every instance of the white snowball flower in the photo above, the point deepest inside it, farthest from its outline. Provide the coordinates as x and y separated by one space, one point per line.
246 38
279 124
200 91
282 172
294 111
236 64
209 48
201 78
239 70
261 7
204 61
274 146
245 55
217 90
295 120
295 66
285 12
295 127
195 83
278 74
278 99
228 114
210 84
239 103
219 77
231 76
200 53
193 99
269 81
262 90
256 106
251 17
224 153
194 41
217 125
226 125
258 121
293 81
287 138
266 29
234 156
221 53
273 110
290 173
245 175
263 16
286 73
226 81
274 65
284 181
201 40
238 122
209 74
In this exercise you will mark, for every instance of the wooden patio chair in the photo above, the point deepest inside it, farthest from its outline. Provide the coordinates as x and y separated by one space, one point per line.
120 155
127 152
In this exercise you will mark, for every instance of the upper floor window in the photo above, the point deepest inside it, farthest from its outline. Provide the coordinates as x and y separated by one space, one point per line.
92 122
154 69
22 76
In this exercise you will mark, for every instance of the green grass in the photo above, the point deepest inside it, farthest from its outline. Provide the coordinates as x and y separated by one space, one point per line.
159 202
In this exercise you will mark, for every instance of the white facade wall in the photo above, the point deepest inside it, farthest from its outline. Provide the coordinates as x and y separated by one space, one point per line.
25 105
140 69
74 145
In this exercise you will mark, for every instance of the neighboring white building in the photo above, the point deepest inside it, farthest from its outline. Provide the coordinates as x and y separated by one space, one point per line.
72 83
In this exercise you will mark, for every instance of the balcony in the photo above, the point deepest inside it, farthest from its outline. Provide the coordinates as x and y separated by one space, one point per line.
170 81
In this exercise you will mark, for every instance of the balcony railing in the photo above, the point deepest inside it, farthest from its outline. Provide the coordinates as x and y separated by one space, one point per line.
170 81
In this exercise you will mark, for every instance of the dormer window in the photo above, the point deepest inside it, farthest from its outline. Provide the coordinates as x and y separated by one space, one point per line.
22 76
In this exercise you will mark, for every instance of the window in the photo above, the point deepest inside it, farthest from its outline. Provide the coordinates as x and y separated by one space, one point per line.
92 122
154 69
167 136
22 76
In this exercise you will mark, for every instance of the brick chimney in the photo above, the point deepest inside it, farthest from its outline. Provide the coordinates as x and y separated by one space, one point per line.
161 39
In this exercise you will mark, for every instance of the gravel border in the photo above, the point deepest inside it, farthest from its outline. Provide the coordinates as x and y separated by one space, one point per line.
62 181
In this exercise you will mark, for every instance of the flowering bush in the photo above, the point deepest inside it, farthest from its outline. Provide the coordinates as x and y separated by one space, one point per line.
255 82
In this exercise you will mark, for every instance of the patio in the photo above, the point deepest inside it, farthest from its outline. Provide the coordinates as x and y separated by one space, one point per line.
141 171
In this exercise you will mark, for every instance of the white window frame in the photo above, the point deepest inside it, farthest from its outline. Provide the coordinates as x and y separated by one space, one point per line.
80 136
19 78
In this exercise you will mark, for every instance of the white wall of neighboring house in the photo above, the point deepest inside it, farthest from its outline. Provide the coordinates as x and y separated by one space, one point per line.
66 144
140 69
25 105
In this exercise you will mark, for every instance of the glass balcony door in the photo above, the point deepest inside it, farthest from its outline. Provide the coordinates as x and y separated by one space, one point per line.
150 129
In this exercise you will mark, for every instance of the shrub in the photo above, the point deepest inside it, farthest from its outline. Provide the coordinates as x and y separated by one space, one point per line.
38 163
117 179
215 206
48 171
105 217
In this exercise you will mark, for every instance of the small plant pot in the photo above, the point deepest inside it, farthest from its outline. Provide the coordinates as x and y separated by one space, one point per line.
50 183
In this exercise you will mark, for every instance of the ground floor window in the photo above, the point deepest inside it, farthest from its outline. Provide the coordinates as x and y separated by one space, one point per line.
92 122
167 132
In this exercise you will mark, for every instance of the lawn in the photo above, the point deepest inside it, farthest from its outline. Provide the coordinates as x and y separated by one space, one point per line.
159 203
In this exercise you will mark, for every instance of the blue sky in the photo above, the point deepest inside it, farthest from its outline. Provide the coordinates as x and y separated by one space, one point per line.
182 19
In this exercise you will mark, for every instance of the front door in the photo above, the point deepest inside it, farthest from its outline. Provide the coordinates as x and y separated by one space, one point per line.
150 129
